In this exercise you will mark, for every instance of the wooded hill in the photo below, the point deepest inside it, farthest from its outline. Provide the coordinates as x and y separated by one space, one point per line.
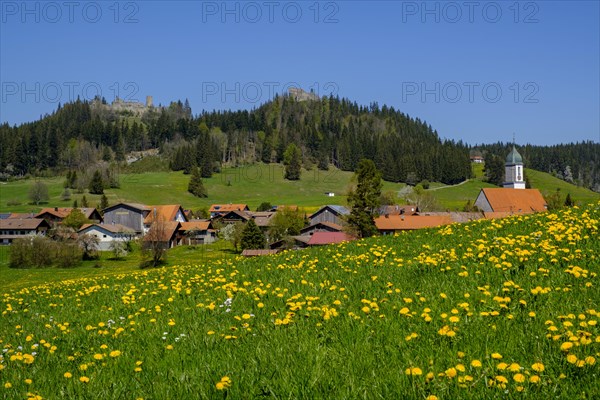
328 131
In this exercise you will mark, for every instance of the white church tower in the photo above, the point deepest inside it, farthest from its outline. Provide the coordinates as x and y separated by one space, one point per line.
513 171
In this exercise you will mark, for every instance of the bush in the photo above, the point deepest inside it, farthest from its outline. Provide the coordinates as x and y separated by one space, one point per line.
42 252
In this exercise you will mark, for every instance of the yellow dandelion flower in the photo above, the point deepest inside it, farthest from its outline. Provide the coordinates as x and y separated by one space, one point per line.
496 356
572 358
520 378
28 381
7 385
115 353
98 356
514 367
538 367
566 346
450 372
534 379
476 364
84 379
432 397
68 375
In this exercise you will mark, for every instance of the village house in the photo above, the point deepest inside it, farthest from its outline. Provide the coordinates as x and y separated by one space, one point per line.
55 215
321 227
165 233
12 228
197 232
510 201
329 213
222 209
107 234
131 215
170 212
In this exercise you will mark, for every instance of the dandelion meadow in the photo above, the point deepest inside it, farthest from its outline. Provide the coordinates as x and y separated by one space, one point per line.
491 309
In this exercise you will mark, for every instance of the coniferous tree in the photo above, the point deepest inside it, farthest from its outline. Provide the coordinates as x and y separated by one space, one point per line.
252 236
103 202
196 187
364 199
96 184
84 202
293 162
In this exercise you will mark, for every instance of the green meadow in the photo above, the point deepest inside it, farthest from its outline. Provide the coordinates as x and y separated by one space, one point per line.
255 184
490 309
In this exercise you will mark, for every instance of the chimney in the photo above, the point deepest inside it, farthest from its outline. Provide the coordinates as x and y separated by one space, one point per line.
55 208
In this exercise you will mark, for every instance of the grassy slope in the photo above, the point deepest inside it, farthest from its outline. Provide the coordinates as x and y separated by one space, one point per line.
257 183
547 184
251 185
342 321
455 197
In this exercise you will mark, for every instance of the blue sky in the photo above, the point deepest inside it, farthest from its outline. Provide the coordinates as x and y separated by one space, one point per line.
476 71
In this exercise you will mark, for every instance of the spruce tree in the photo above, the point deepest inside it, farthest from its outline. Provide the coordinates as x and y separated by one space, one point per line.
252 236
293 162
103 202
96 184
364 199
196 187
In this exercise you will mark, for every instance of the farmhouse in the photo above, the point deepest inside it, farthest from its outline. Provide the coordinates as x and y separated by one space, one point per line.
164 233
55 215
11 229
197 232
321 227
221 209
171 212
511 201
131 215
329 213
107 234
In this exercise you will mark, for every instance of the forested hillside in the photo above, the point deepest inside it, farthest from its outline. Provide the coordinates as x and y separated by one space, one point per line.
329 130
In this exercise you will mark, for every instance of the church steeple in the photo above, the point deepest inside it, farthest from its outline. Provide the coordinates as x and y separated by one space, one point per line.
513 170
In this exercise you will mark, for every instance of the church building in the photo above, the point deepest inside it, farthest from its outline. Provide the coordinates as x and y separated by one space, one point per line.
513 171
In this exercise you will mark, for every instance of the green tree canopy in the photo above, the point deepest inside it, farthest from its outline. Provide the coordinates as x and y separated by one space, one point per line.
38 192
292 158
196 187
75 219
364 199
252 237
96 184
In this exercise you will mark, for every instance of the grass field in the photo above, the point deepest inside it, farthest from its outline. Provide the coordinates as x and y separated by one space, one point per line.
251 185
490 309
261 182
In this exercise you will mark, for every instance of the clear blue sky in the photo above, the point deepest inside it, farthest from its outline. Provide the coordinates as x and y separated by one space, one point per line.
476 71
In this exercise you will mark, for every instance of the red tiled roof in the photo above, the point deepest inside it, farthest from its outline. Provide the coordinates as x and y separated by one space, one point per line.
515 200
195 225
167 232
321 238
409 222
164 213
25 224
62 212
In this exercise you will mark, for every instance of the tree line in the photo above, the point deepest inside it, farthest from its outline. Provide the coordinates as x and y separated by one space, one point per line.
577 163
329 131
